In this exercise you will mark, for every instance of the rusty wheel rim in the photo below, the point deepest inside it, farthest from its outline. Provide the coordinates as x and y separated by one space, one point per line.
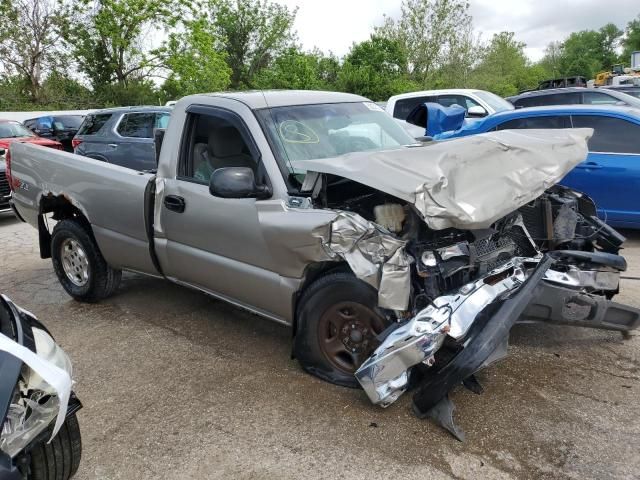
347 332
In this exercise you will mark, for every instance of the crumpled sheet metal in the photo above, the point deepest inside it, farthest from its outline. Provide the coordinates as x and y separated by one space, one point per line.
469 182
384 376
374 255
59 380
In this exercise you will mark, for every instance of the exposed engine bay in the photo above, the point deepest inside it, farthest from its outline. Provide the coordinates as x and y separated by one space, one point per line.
454 294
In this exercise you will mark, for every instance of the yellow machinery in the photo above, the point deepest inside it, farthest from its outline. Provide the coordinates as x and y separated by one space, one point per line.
618 76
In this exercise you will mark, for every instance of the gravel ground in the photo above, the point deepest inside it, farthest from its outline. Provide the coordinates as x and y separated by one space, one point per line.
178 385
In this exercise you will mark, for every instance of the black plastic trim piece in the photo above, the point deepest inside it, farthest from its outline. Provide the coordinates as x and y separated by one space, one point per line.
496 324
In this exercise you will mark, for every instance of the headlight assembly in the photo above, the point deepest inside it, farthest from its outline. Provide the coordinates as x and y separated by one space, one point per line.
41 392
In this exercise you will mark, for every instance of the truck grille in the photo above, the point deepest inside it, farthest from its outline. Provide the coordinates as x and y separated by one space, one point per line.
4 185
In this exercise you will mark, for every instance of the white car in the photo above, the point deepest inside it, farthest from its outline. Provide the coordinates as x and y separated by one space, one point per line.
478 103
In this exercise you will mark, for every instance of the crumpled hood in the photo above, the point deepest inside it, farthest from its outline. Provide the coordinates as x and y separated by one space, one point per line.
468 182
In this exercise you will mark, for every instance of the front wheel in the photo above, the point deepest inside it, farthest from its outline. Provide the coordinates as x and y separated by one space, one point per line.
60 459
79 265
338 321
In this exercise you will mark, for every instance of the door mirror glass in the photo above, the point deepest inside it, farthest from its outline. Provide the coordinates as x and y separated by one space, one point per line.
476 111
2 152
236 182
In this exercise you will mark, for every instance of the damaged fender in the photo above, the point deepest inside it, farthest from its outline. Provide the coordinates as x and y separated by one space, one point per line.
374 255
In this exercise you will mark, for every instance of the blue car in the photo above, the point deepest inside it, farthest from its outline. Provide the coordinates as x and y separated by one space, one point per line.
610 174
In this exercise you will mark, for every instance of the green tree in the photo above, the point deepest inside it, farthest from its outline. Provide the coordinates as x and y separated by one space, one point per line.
60 91
252 34
582 54
107 37
631 40
135 92
14 94
295 69
375 68
194 62
504 68
610 36
551 62
28 40
429 31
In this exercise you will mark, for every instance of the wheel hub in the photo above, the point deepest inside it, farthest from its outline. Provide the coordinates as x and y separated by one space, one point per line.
355 336
74 262
347 334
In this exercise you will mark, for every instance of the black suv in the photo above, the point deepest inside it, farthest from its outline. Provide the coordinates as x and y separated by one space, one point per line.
574 96
57 127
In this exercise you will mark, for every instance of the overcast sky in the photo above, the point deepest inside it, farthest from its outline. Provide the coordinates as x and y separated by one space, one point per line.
333 25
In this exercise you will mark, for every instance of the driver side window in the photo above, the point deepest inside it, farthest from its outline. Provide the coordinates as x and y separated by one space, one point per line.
213 142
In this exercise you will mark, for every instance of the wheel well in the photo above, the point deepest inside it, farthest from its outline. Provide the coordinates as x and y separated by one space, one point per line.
313 272
62 209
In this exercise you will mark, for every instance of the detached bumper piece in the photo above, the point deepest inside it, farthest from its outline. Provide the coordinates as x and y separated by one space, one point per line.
562 287
484 345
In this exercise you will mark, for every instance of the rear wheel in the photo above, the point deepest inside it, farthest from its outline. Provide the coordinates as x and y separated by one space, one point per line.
60 459
338 321
79 265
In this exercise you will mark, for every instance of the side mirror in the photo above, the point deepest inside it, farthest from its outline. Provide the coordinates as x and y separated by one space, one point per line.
476 111
2 152
236 182
158 138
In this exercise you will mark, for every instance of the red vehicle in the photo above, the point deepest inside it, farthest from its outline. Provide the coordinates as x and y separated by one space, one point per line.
12 131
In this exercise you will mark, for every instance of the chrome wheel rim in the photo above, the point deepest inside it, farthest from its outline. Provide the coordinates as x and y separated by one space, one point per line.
74 262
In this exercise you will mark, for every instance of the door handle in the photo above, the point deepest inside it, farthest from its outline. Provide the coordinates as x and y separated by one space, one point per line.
113 145
589 166
174 203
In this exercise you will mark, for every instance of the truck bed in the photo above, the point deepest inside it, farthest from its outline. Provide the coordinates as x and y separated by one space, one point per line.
109 196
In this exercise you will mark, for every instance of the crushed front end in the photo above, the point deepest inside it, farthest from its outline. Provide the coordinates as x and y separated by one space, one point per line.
36 400
461 240
551 260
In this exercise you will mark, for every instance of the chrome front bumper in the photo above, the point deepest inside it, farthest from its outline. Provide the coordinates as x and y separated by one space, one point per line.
385 375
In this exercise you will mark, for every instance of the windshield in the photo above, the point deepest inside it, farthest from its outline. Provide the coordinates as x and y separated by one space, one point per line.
14 130
633 93
68 121
494 101
328 130
628 99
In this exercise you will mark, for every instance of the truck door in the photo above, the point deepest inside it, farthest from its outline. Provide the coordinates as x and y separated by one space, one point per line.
213 243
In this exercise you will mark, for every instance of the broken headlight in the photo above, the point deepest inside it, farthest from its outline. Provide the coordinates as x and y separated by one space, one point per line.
35 403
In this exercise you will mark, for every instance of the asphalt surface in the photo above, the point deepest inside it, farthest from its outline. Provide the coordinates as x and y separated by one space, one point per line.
178 385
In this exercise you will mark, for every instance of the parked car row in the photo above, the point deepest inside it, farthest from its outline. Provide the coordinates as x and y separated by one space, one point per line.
610 174
574 96
121 136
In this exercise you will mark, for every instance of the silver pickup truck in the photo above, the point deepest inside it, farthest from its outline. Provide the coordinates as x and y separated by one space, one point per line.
391 260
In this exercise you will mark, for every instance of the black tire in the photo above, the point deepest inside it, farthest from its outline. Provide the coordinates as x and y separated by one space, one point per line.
60 459
323 295
102 280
